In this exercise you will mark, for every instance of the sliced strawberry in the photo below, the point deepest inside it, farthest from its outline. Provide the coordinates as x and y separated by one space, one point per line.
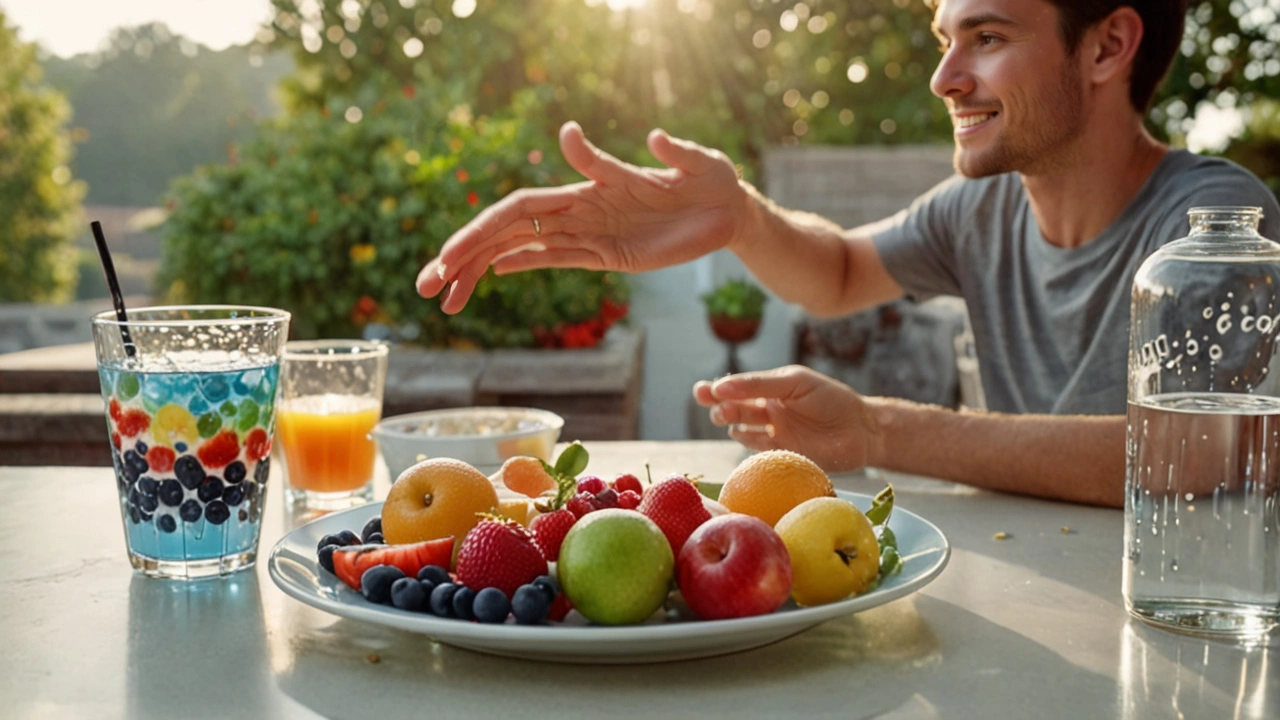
349 563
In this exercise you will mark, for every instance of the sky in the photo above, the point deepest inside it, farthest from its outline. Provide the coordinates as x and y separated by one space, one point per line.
70 27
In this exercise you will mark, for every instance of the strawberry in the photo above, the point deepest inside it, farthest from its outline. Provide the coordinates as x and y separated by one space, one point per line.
501 554
549 531
675 506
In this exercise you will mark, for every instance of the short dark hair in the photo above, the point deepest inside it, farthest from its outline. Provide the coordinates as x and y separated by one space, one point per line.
1162 25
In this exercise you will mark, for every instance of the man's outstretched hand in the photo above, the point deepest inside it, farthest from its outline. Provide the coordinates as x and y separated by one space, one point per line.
794 408
623 217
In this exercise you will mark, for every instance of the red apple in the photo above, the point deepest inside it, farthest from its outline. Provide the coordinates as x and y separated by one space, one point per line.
734 566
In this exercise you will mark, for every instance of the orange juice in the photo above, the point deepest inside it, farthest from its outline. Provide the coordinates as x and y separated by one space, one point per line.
326 441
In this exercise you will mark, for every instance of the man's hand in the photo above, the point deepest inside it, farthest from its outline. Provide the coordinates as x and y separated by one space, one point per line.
794 408
624 218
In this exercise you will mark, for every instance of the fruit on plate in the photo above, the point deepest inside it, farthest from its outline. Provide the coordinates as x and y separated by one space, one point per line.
549 531
499 553
436 498
733 566
349 563
833 548
675 505
526 475
615 567
770 483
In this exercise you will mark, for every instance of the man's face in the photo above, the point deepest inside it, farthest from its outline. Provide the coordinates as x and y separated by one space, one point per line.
1015 97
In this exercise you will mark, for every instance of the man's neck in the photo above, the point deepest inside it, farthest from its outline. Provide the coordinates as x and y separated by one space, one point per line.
1074 205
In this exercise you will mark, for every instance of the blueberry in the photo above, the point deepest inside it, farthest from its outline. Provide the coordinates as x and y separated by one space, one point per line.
134 465
548 585
148 503
346 537
243 514
442 599
375 539
427 587
210 489
435 574
191 511
180 447
233 495
135 498
166 523
141 447
170 493
189 471
250 490
148 485
463 600
133 514
373 526
530 605
330 539
408 594
491 606
260 472
375 583
216 512
235 472
325 554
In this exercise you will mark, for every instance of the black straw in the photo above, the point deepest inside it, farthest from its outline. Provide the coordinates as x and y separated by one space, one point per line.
113 284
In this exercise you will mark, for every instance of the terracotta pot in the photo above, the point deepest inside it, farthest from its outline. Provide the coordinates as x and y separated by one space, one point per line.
734 330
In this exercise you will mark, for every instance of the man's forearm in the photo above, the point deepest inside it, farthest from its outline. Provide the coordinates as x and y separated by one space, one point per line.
1073 458
810 261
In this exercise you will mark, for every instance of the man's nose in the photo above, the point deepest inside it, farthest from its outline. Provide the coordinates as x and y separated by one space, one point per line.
952 77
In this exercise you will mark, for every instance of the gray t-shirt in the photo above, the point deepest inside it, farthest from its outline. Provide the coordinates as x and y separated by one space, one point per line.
1051 324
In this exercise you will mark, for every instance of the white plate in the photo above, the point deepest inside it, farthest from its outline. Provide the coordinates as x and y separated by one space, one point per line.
295 569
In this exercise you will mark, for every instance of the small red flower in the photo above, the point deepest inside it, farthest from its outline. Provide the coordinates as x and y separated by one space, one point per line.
462 175
472 198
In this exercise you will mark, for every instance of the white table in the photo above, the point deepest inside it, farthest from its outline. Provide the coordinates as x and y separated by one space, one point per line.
1031 626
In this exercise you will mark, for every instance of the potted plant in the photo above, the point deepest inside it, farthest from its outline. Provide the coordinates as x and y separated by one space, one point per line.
735 309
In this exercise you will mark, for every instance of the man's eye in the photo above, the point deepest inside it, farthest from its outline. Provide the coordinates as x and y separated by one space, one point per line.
985 39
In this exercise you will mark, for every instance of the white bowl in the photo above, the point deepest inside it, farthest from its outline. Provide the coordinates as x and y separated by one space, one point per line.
482 436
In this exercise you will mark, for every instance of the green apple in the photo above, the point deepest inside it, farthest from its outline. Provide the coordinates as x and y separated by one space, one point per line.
615 567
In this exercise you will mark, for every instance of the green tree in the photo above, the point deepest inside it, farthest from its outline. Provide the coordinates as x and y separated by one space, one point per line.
38 198
151 105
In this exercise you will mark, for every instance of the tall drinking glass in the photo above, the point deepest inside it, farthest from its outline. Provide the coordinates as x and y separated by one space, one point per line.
190 398
331 398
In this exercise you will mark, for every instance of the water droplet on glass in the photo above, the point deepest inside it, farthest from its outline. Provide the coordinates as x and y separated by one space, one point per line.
1173 565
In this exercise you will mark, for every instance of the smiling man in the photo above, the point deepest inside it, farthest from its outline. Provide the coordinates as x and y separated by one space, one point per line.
1060 195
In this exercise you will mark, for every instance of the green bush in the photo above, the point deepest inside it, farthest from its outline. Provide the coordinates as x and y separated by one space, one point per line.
38 198
330 215
738 298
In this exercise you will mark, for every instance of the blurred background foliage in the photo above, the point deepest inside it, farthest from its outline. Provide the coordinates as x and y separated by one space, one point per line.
739 75
38 197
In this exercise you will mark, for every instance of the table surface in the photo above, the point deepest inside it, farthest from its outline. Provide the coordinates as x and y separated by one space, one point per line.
1031 625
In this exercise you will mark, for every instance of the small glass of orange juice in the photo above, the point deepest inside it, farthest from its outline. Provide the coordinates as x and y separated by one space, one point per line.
330 399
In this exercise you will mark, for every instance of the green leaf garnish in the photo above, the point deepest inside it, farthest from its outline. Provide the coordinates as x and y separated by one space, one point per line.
572 460
881 506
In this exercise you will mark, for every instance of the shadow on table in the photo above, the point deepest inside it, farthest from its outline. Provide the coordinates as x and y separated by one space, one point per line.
223 658
916 657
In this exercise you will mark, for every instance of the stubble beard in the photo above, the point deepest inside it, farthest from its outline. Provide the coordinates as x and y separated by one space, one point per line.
1043 143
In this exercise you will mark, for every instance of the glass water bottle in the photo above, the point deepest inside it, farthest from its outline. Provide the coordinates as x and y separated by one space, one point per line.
1202 542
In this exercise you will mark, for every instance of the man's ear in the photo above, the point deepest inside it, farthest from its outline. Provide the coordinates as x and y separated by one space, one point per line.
1108 48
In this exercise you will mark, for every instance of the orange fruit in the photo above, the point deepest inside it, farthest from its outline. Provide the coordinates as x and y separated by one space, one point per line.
526 476
434 499
769 484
